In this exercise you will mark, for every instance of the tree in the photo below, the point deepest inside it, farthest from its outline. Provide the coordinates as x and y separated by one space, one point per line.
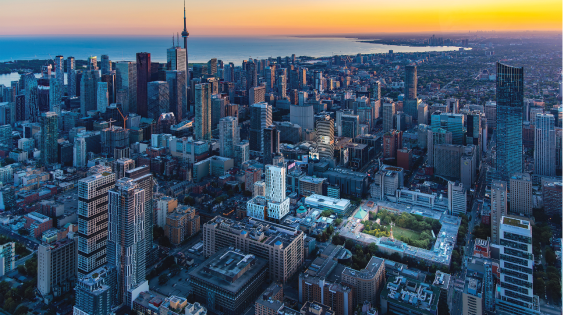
337 222
550 257
21 269
188 200
29 293
372 248
9 305
539 287
349 244
23 231
22 310
163 278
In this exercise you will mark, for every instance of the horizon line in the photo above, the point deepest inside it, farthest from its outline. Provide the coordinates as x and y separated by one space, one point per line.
458 32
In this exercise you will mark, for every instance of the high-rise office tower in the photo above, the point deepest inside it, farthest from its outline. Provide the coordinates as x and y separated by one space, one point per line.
185 35
499 205
60 72
325 137
228 136
110 80
158 99
453 105
89 87
251 75
281 86
79 152
270 75
71 76
473 133
126 248
143 79
49 137
176 59
257 94
106 65
318 80
271 145
55 95
521 201
31 97
388 113
450 122
126 86
260 119
516 264
441 136
510 102
92 220
410 99
350 125
143 177
202 123
302 114
544 145
218 103
102 97
177 93
212 66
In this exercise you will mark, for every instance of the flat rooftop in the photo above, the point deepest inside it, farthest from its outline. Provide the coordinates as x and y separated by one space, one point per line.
230 269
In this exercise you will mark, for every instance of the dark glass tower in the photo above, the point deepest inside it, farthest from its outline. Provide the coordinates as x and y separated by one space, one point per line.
143 78
510 103
411 82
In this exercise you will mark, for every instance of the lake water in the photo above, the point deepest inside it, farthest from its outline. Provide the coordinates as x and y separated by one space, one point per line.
200 49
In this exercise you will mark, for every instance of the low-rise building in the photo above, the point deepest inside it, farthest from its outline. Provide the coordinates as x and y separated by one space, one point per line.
181 224
339 206
229 281
37 223
175 305
404 296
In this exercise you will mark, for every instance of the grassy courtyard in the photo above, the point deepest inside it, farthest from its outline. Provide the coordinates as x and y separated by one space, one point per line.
412 229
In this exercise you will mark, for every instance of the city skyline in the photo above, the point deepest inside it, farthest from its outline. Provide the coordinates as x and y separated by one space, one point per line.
315 18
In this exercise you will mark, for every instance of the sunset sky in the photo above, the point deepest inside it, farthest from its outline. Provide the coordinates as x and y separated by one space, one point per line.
267 17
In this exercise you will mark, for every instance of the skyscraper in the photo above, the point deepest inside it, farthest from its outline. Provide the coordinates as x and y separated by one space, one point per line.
79 152
202 123
271 145
71 76
176 59
92 220
143 78
278 203
228 136
126 238
102 97
510 103
31 97
158 99
450 122
60 72
106 65
521 201
110 80
126 86
544 145
388 113
251 75
411 82
49 137
499 207
516 265
325 137
89 87
143 177
177 93
55 95
212 66
260 119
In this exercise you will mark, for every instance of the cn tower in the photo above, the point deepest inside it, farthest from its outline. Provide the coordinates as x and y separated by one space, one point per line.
185 35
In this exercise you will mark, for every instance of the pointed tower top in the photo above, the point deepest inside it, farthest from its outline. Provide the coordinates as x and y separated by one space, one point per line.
185 31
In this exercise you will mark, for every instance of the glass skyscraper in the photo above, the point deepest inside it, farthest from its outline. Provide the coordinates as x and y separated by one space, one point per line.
510 102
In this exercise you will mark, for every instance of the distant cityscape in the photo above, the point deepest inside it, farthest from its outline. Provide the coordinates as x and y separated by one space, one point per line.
423 183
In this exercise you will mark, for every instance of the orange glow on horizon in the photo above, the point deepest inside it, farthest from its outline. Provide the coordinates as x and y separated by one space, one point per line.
292 17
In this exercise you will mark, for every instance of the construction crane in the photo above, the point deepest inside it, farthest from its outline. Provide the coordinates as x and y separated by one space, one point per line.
124 118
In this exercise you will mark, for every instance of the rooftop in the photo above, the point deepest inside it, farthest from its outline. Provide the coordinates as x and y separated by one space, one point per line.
412 294
229 269
516 222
